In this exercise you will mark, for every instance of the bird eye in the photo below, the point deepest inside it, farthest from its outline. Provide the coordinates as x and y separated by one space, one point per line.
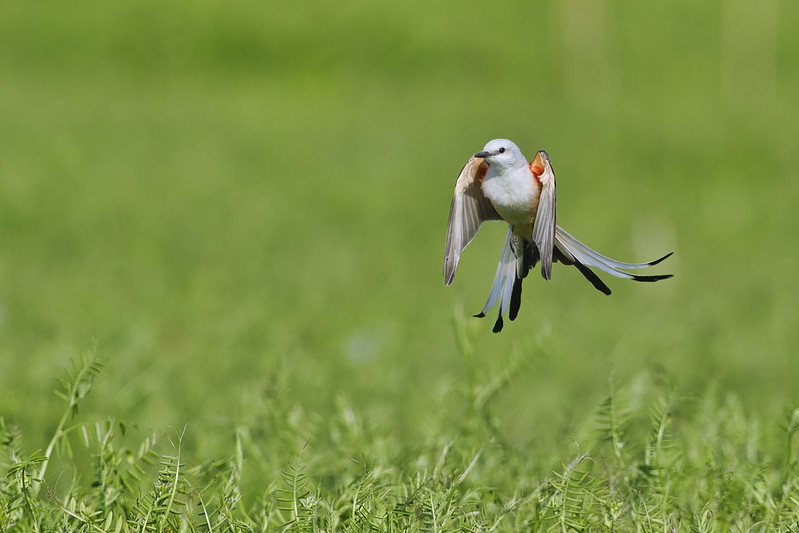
502 150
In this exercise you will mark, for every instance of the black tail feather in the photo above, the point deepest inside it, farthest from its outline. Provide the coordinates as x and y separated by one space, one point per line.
498 324
659 277
530 257
558 257
592 277
656 261
515 299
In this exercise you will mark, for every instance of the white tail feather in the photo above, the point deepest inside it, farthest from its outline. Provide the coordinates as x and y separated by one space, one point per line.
598 260
502 287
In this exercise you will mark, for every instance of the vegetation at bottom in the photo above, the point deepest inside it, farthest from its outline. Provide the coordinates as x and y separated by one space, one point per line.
647 459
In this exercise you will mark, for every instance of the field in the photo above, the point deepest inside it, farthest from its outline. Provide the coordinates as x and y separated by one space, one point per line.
221 235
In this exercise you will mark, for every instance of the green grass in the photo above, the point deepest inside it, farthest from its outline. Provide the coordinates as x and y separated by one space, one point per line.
239 209
646 460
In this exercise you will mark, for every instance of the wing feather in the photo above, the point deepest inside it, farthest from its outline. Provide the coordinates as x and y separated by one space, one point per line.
544 225
469 209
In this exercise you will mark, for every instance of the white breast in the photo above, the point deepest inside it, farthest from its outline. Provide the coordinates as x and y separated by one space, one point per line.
514 193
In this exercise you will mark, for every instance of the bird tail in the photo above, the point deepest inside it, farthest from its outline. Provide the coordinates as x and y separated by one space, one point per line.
515 263
520 255
570 251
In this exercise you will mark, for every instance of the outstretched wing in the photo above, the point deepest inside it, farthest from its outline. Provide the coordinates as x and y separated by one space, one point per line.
544 225
469 209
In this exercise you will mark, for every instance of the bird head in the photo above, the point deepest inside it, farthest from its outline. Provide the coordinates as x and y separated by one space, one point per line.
502 153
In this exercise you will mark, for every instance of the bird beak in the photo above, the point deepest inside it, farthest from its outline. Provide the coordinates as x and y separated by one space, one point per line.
483 154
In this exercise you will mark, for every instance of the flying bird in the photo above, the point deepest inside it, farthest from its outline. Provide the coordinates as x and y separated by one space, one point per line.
499 183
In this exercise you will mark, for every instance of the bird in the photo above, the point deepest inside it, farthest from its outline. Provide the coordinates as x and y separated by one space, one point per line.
498 183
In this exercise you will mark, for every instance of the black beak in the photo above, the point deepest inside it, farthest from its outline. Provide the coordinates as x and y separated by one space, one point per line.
483 154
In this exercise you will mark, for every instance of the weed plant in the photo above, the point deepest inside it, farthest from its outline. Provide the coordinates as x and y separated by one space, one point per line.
649 460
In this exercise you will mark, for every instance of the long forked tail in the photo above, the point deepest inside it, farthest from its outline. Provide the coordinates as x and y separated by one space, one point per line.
511 270
570 251
519 256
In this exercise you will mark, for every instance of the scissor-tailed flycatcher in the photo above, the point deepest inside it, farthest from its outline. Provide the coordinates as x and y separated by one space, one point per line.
499 184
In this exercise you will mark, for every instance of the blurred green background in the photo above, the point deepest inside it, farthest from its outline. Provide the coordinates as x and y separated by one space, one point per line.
217 195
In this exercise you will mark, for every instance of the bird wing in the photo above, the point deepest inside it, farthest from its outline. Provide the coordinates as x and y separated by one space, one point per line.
469 209
544 225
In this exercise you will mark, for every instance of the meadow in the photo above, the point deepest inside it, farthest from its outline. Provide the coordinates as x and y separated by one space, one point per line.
221 235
